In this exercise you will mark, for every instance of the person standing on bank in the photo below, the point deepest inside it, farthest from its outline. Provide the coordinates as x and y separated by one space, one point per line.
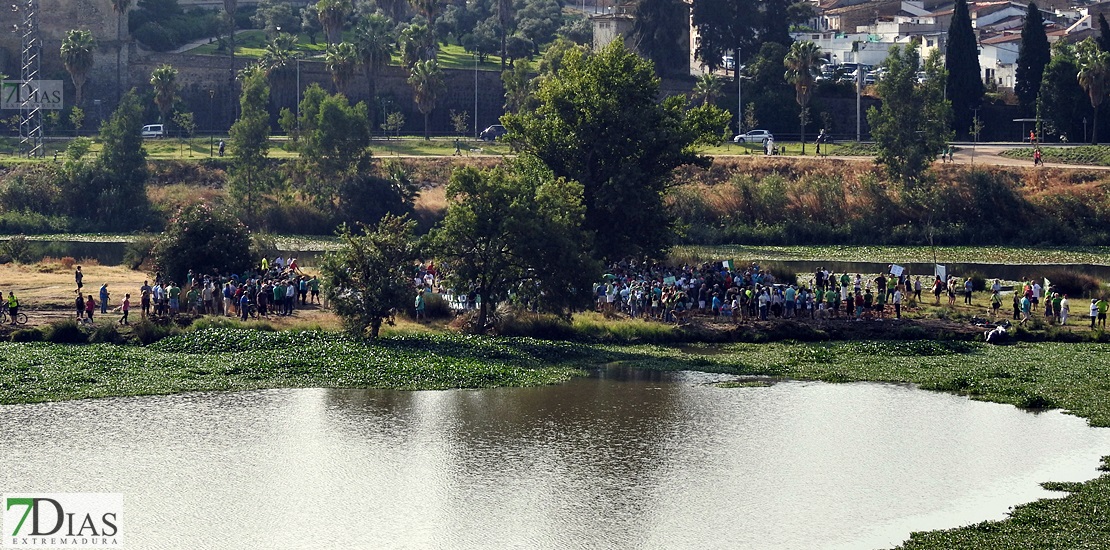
79 277
104 299
126 307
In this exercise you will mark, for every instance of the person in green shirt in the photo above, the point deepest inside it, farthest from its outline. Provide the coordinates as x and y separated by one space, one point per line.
193 298
314 285
1102 306
13 305
175 298
996 303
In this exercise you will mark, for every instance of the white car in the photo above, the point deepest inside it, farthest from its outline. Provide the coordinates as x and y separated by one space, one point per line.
754 136
154 131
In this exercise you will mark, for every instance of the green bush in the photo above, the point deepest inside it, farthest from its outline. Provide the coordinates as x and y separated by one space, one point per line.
139 251
28 335
435 307
148 332
106 333
66 332
1073 283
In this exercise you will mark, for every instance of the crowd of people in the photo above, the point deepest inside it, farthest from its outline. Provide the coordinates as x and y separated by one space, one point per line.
672 294
273 288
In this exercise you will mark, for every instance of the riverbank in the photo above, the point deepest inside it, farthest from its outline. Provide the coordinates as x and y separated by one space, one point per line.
1029 375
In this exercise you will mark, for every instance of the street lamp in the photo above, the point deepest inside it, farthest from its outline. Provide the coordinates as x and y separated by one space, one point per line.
1084 129
212 117
475 94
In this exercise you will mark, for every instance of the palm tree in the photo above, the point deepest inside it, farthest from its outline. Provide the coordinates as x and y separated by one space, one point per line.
1094 77
164 81
333 13
230 7
427 84
341 60
707 88
375 43
802 66
120 7
276 62
77 56
429 9
504 22
417 44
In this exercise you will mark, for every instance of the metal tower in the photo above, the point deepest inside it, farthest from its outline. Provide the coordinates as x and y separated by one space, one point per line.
30 119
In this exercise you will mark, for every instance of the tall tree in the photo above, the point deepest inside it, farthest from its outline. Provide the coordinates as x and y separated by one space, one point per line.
1063 102
417 44
1094 76
341 60
658 27
120 7
250 140
1103 33
77 56
277 63
517 83
333 15
740 26
115 195
505 24
427 84
1033 55
912 124
375 42
599 123
516 229
164 81
802 64
965 81
367 278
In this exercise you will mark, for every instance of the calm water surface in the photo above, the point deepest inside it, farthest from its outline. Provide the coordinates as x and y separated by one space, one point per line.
622 460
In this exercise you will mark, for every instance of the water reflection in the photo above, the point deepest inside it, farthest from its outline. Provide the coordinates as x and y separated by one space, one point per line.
625 459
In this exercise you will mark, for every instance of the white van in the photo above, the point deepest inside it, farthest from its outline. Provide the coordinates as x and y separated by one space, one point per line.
154 131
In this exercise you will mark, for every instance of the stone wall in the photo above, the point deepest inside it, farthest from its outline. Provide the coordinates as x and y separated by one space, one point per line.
208 91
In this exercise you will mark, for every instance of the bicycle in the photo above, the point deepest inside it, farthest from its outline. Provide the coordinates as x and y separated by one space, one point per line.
20 318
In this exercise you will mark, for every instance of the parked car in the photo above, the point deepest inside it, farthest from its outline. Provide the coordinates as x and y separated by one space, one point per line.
154 131
754 136
492 133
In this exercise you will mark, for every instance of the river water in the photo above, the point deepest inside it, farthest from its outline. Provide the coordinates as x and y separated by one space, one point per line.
624 459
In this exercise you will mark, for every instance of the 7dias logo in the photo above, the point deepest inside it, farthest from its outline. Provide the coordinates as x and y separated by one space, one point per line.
70 520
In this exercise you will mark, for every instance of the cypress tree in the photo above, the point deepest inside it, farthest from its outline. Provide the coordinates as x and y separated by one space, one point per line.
965 84
1032 57
1103 33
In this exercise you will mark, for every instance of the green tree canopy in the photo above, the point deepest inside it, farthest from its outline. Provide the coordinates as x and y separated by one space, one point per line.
250 142
1094 77
341 60
725 26
427 84
659 27
965 81
112 196
1033 55
334 142
367 278
164 81
77 56
333 16
802 64
1063 103
204 239
599 123
911 127
516 229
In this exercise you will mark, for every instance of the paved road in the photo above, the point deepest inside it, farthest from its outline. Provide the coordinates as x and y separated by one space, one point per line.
986 154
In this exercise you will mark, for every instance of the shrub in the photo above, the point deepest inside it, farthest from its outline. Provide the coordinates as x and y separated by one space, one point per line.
148 332
536 325
435 307
139 251
18 249
28 335
978 281
66 332
203 239
1072 282
106 333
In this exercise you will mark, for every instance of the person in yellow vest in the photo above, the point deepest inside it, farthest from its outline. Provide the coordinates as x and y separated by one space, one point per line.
13 305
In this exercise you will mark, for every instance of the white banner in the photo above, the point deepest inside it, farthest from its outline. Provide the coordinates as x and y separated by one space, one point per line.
896 270
44 94
942 272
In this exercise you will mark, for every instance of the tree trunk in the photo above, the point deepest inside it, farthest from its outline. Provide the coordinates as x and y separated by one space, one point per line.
1094 125
375 326
482 316
426 125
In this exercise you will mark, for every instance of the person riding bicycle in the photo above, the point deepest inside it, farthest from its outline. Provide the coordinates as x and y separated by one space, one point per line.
13 305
